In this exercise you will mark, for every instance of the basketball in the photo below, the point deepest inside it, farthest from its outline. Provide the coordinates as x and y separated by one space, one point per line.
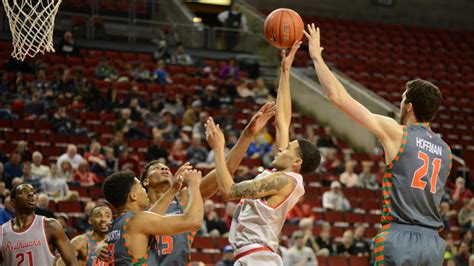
283 27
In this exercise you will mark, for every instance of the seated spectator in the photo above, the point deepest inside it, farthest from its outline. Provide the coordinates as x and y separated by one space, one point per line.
41 83
7 212
258 148
178 155
466 215
67 45
300 211
326 246
230 71
22 148
196 152
349 178
156 151
262 94
198 127
161 52
110 161
334 199
460 193
105 71
180 57
66 86
367 179
451 249
347 247
466 237
300 254
66 170
72 156
361 245
190 116
42 206
244 91
128 126
13 169
213 223
85 177
152 116
227 257
462 258
446 214
229 213
140 73
37 169
127 162
160 74
117 142
3 177
306 227
95 158
63 124
328 140
56 187
167 127
83 223
34 109
311 135
210 98
4 192
30 179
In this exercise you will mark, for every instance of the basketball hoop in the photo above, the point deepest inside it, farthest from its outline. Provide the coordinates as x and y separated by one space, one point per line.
32 24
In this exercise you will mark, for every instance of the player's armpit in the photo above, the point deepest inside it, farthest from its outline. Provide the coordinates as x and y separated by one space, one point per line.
61 242
254 189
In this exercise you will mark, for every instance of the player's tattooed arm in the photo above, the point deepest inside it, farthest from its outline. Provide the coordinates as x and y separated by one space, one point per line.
264 187
61 242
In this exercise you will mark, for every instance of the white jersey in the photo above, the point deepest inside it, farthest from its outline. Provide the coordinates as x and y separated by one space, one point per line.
26 248
256 224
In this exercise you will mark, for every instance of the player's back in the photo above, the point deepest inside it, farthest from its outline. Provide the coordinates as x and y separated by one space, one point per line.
29 247
255 223
414 182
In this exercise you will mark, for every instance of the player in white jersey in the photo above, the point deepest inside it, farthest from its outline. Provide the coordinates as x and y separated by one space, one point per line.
266 200
30 239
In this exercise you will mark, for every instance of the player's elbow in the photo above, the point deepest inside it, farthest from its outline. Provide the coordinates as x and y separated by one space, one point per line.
195 224
334 99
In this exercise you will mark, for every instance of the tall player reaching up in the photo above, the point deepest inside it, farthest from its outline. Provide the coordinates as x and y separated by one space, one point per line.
266 200
30 239
418 164
84 245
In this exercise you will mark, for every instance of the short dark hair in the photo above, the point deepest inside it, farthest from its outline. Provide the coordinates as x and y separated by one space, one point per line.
425 97
97 207
117 186
146 170
310 155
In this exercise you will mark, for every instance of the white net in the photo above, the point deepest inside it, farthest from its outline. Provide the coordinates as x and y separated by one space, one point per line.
31 24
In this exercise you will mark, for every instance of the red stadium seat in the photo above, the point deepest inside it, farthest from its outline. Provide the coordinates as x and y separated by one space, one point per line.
83 191
333 216
202 242
322 261
206 258
221 242
69 206
337 261
359 261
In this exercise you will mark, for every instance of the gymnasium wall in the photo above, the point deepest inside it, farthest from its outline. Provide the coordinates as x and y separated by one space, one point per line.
451 14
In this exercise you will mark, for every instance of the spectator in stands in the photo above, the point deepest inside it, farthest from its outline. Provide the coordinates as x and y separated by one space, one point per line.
152 115
446 214
178 154
13 169
325 242
230 71
4 192
306 227
127 162
235 21
160 74
334 199
91 97
63 124
71 155
95 158
262 94
34 109
258 149
22 148
56 187
67 45
466 237
167 127
300 211
156 151
180 57
367 179
66 170
244 91
349 178
62 219
328 140
212 221
117 142
299 254
227 257
190 117
229 213
83 224
451 249
347 247
361 245
161 52
37 169
462 258
41 83
466 215
460 192
198 127
30 179
140 73
127 125
105 71
112 103
7 212
85 177
42 206
66 86
3 176
110 161
311 135
210 98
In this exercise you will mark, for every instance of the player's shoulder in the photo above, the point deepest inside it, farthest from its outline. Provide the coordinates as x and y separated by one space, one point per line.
52 225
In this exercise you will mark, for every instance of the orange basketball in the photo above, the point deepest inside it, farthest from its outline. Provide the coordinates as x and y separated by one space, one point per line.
283 27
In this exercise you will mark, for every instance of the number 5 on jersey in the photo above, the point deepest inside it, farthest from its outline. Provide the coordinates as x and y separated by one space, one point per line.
423 170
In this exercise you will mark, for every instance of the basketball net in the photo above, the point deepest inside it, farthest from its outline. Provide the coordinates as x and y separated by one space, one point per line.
31 24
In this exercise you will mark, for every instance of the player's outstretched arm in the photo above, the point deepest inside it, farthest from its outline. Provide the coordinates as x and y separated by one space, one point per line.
283 102
233 159
61 242
386 129
153 224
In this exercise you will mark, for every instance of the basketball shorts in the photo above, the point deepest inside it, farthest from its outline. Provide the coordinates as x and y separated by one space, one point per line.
408 245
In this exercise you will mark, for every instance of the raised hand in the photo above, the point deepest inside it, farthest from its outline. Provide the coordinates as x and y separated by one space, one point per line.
314 42
184 167
287 60
260 119
214 135
192 177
